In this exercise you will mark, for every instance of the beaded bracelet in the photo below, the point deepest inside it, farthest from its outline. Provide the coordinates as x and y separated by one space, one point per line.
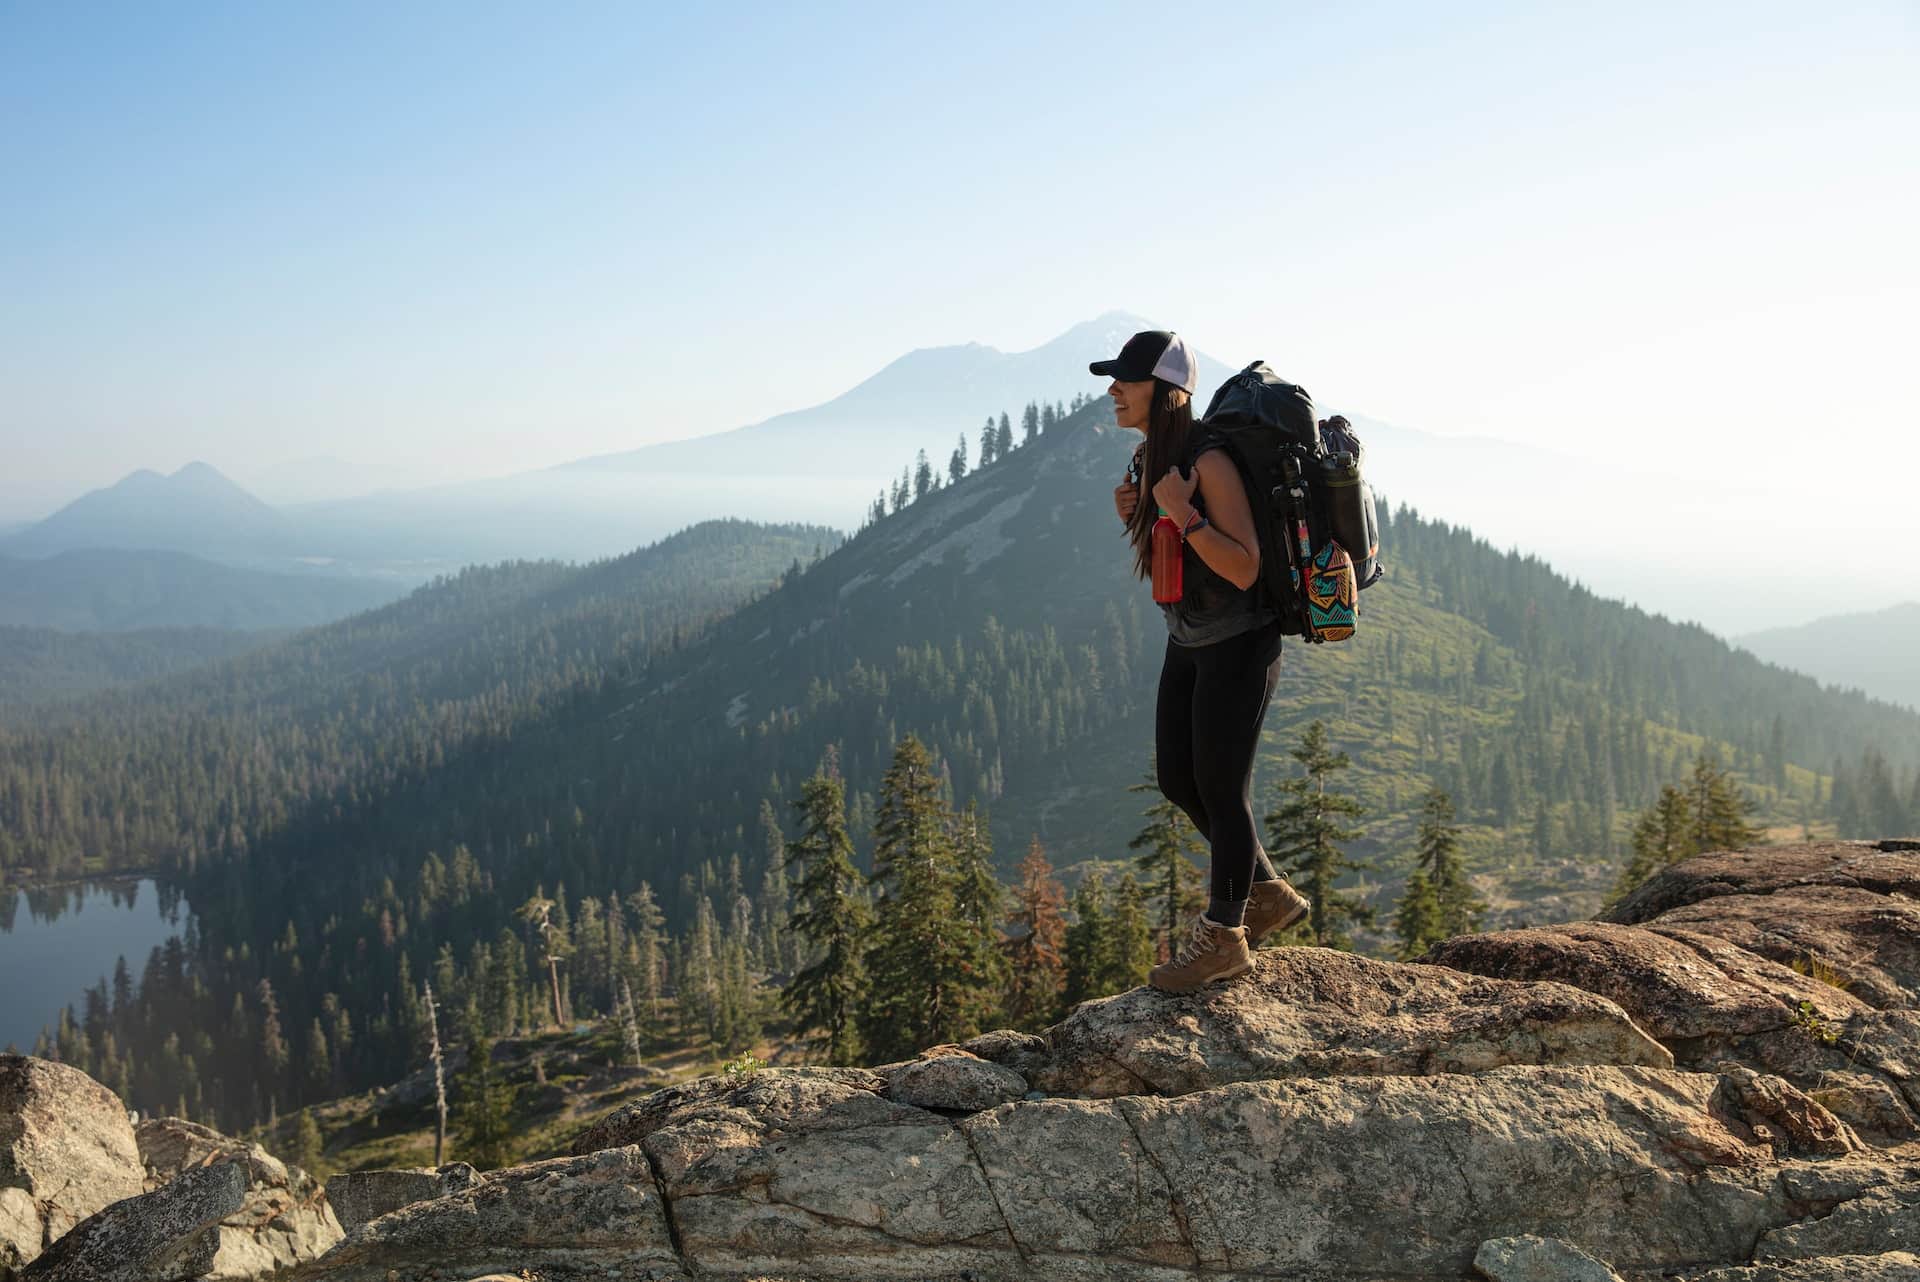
1194 522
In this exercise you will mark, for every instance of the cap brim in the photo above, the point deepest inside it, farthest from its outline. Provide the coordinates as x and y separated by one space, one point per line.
1118 371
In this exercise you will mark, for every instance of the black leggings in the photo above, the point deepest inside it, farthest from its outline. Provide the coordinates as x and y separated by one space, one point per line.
1206 726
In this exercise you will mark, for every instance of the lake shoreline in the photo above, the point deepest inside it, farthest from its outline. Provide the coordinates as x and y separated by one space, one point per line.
70 936
86 879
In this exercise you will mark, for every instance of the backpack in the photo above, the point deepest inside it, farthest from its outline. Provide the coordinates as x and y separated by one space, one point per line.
1313 511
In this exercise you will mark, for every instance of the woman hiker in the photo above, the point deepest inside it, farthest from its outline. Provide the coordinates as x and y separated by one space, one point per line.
1223 654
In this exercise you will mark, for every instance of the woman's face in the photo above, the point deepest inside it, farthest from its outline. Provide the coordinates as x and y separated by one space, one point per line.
1131 402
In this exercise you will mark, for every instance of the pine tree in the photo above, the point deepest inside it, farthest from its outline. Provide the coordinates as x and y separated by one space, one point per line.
1662 835
957 463
485 1108
1437 842
1167 846
1417 920
922 991
831 916
1719 808
980 903
737 1024
1035 945
1306 836
1130 954
648 922
307 1143
700 976
989 442
776 896
1090 946
922 475
273 1046
319 1065
1003 441
1030 423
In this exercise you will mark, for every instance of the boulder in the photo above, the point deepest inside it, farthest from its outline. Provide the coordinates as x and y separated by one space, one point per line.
1851 906
1310 1012
1812 980
1680 987
282 1219
1868 942
957 1082
1530 1258
1887 867
149 1238
359 1196
66 1151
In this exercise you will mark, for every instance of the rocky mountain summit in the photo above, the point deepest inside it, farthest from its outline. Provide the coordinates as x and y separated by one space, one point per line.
1718 1083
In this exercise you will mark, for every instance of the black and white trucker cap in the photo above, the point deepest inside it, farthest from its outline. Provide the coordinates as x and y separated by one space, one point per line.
1153 353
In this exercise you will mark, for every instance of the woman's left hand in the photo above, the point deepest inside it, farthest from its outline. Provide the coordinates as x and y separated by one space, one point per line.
1174 492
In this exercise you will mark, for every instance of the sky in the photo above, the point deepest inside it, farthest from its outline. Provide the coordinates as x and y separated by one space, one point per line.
457 240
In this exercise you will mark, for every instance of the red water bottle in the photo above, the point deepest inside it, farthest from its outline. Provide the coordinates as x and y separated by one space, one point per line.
1167 560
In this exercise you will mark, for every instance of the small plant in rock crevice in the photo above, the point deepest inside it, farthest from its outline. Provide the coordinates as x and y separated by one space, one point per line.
743 1068
1809 1021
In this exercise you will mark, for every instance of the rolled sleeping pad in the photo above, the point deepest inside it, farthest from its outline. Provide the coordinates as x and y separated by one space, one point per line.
1350 513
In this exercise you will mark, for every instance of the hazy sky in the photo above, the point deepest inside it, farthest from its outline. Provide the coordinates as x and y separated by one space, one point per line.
468 239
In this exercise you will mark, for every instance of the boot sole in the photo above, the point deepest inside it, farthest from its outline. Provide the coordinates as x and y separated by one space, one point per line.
1222 977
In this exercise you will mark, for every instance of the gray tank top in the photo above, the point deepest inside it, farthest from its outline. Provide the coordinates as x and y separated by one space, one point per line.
1210 607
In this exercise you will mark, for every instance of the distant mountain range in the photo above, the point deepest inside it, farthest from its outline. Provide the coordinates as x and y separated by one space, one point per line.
1877 651
196 510
924 399
1651 524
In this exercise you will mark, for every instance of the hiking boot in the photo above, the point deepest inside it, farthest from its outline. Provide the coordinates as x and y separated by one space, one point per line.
1212 952
1273 905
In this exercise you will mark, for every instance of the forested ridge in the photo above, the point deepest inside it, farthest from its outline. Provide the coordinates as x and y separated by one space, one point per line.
46 665
371 804
208 762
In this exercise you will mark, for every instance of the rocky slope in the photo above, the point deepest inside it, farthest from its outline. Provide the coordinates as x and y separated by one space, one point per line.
1721 1083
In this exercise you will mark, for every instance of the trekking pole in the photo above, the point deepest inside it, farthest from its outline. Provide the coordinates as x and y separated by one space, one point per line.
1299 543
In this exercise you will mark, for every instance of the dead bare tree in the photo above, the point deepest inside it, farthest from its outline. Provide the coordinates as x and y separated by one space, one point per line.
553 945
439 1080
629 1026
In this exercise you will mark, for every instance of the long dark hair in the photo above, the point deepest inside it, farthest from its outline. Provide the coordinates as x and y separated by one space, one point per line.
1169 423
